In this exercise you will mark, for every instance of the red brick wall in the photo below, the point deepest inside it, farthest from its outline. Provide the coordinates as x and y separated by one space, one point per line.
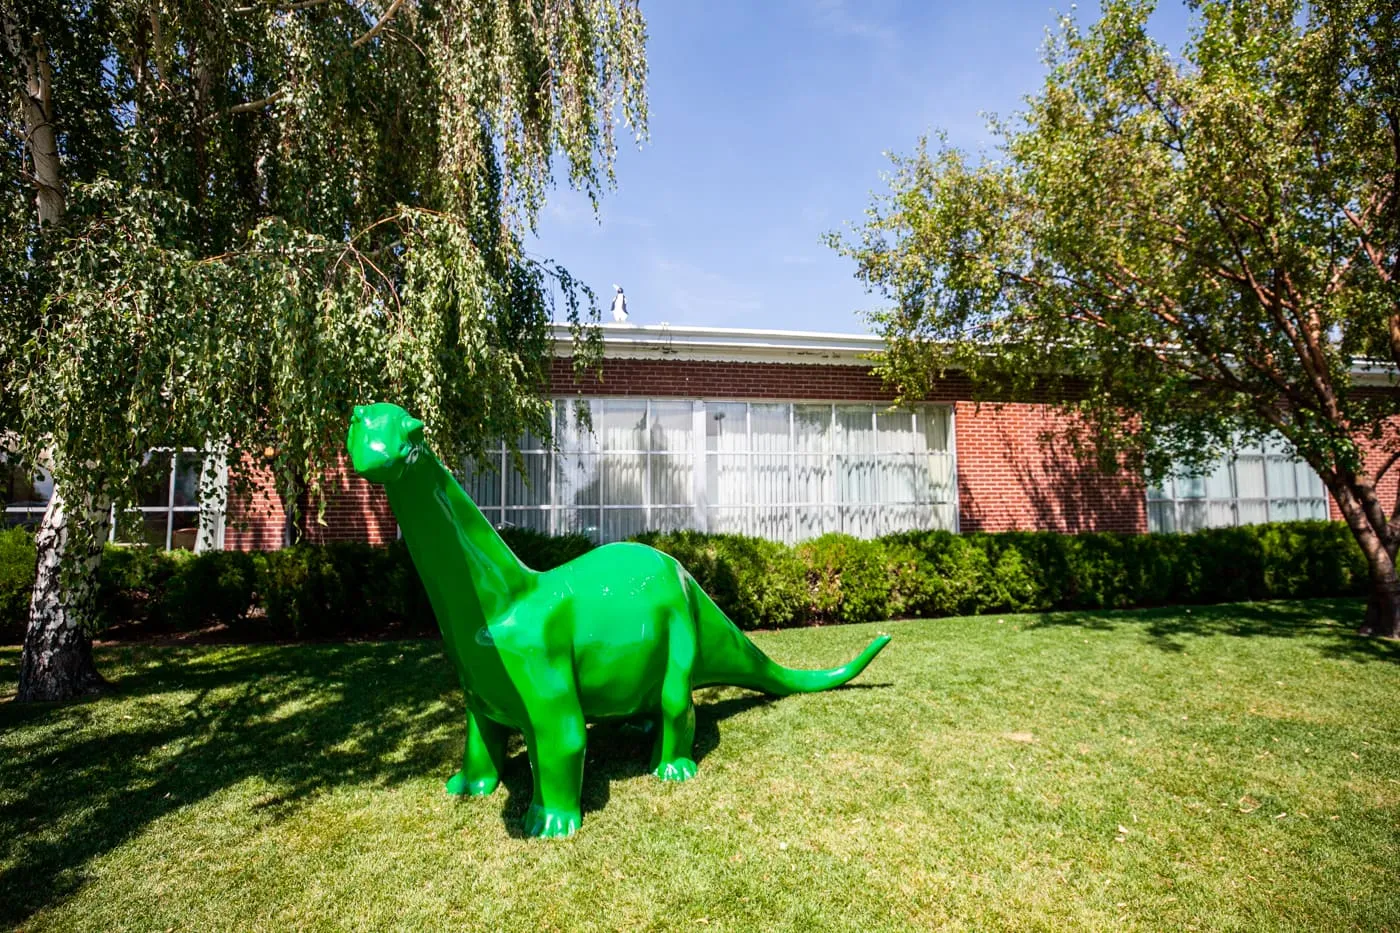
1010 476
355 511
1017 472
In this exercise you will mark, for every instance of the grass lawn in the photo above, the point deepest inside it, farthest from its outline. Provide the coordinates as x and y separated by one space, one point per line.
1229 767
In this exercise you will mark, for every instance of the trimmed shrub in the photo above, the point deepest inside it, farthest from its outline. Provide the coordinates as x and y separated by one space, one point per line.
847 579
16 583
757 582
542 552
344 589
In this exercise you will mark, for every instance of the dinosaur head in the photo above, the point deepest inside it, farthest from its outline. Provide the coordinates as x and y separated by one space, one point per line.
383 440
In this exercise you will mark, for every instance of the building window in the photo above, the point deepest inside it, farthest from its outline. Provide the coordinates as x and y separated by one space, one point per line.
1251 485
26 495
166 512
784 471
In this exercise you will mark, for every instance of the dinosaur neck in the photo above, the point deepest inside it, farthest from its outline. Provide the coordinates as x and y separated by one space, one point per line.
452 542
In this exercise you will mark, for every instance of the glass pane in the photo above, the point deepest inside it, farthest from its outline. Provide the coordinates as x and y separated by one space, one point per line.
856 429
1192 514
672 426
1222 514
774 524
769 428
899 518
189 466
585 522
855 480
624 480
1252 511
943 517
483 483
22 488
772 482
811 428
1249 477
934 422
726 480
1313 508
809 476
570 433
624 424
726 426
813 522
859 521
1219 483
577 480
1309 483
895 432
147 528
897 479
623 523
936 471
1161 516
1282 482
21 518
153 481
671 519
533 487
1163 491
184 530
671 480
534 519
1190 487
1283 510
729 520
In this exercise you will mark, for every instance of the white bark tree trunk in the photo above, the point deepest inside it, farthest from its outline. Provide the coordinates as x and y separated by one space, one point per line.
57 660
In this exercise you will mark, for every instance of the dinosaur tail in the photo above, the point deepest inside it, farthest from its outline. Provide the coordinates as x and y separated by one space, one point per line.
726 656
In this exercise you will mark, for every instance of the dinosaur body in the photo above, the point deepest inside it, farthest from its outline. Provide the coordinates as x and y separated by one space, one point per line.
621 631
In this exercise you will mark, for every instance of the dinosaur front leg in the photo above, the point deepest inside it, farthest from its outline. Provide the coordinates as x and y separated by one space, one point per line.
671 760
555 741
483 758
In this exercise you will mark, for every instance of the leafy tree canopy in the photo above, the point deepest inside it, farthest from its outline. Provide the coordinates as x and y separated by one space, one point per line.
1180 249
231 220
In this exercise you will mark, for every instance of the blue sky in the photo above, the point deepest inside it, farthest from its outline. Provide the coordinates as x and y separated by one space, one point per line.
769 126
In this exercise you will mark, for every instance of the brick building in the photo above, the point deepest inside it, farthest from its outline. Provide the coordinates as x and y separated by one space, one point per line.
774 433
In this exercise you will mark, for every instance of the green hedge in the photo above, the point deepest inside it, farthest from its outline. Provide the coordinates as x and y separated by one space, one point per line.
356 590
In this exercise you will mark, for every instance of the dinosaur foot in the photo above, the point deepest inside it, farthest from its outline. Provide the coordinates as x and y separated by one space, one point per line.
547 823
682 769
460 785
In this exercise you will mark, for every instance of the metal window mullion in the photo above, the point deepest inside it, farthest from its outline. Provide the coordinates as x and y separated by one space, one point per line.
170 501
646 473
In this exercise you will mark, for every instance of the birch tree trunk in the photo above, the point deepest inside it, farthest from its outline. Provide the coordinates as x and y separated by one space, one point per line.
57 660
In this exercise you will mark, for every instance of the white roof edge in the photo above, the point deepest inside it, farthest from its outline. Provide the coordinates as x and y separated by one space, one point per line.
754 345
727 344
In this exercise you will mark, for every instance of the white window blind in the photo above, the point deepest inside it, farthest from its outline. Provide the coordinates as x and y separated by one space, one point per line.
785 471
1250 486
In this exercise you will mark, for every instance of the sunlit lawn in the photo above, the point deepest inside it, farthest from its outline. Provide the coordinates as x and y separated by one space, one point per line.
1233 767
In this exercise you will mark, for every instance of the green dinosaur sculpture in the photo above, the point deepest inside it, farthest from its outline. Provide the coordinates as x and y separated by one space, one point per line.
622 631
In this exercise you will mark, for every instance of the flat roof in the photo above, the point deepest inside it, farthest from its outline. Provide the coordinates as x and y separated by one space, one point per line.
754 345
727 344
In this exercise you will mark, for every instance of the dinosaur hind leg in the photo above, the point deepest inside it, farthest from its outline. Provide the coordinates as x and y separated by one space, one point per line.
671 760
482 759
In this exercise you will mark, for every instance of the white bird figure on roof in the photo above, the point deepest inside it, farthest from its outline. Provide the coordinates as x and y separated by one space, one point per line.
619 305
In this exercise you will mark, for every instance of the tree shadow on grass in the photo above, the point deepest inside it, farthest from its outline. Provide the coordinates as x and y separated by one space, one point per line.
1332 623
77 780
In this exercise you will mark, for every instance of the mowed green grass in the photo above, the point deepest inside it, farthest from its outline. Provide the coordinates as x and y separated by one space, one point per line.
1231 767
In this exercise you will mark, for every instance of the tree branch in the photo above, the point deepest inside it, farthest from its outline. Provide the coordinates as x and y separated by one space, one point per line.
383 21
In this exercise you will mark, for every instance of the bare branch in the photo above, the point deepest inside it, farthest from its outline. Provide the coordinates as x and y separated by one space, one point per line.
255 105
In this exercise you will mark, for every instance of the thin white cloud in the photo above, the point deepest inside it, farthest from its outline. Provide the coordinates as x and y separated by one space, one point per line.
839 17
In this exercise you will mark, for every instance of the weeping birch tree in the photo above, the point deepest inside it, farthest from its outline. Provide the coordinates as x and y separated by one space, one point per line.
1184 251
226 222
